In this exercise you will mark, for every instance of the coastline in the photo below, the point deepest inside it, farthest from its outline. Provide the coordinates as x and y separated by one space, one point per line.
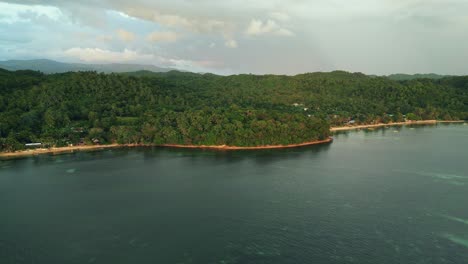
417 122
34 152
225 147
60 150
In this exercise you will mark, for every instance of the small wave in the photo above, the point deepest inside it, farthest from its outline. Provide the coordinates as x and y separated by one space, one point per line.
455 239
456 219
443 176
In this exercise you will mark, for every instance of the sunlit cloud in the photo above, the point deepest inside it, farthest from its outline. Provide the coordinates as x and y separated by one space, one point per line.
125 35
163 36
107 56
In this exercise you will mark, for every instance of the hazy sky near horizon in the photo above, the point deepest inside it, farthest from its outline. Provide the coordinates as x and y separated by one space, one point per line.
227 36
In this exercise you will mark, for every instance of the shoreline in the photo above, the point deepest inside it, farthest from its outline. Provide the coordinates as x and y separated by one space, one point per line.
72 149
56 150
225 147
417 122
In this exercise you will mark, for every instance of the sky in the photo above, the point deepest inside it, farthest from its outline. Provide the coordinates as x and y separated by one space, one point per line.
243 36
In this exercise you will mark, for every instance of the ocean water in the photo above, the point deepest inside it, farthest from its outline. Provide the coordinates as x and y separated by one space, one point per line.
394 195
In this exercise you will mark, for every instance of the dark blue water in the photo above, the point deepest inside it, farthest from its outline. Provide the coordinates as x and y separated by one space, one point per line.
396 195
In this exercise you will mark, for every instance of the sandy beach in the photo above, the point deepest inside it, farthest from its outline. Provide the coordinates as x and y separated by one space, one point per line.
60 150
419 122
33 152
71 149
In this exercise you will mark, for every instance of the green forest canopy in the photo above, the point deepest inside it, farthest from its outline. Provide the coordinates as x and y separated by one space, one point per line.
189 108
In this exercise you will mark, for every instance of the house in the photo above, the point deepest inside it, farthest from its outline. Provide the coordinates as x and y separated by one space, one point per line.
297 104
351 122
305 108
77 129
33 145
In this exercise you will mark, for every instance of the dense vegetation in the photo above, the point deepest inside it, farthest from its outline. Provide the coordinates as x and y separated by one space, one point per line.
188 108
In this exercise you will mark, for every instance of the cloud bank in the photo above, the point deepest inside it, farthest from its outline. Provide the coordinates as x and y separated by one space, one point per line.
287 37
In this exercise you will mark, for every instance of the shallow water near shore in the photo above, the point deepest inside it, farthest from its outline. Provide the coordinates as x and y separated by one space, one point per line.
395 195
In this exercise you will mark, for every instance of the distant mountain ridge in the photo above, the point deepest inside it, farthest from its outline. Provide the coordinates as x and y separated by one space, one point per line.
51 66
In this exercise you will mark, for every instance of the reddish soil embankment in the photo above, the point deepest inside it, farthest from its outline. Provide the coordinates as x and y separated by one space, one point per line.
225 147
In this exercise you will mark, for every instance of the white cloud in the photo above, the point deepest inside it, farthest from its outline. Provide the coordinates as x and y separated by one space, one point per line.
96 55
284 32
198 25
125 35
12 13
279 16
195 65
124 15
163 36
107 56
258 27
231 43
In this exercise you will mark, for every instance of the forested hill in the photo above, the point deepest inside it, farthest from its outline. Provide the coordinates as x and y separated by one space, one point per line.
188 108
